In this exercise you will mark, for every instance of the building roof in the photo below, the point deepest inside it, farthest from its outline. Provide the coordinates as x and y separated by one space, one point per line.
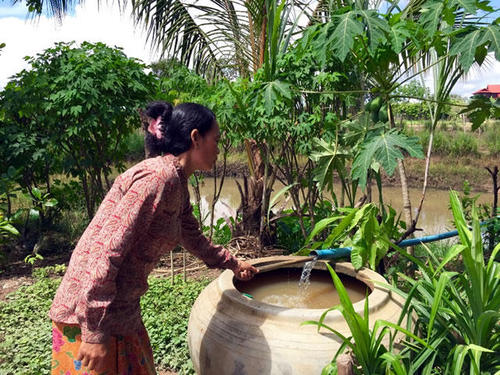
490 89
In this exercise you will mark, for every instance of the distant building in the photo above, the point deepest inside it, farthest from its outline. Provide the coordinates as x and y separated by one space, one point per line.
491 91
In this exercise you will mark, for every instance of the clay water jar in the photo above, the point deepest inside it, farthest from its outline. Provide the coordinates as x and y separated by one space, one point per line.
229 333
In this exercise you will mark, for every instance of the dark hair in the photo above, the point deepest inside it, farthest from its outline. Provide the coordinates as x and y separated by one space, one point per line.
177 123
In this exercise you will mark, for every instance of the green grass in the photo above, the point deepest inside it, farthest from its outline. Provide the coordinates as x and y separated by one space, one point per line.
25 329
490 138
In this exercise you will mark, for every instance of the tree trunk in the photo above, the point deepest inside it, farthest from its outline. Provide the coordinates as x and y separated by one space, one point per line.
403 178
406 194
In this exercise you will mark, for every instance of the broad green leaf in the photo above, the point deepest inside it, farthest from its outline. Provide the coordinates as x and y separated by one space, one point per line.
34 214
52 202
376 28
480 109
5 226
343 36
269 97
356 258
340 228
274 90
431 16
398 34
386 150
321 225
466 47
328 158
468 5
491 36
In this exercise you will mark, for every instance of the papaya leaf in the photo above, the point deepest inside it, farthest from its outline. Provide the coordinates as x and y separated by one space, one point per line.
274 90
343 36
328 158
492 37
385 149
376 27
398 34
431 16
480 109
468 5
466 47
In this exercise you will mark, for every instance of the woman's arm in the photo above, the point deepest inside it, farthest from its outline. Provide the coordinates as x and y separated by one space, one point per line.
214 256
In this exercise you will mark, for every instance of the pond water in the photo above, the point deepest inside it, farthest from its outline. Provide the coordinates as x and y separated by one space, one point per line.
435 217
281 287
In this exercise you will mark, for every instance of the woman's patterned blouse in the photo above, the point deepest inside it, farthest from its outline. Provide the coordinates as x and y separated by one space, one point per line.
145 215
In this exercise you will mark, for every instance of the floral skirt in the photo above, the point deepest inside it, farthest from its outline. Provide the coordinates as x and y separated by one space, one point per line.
127 354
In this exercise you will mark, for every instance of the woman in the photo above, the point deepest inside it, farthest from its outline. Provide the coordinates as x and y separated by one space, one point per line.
97 327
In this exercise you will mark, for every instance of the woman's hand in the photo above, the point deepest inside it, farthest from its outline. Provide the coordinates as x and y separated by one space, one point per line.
245 271
93 356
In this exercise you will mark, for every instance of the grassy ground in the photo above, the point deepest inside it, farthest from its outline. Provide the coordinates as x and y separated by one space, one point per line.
25 330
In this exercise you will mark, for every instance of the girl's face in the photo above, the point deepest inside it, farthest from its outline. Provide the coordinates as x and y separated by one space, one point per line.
206 149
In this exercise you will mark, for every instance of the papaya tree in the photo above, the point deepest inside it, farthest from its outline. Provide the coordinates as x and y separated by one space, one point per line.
70 112
393 47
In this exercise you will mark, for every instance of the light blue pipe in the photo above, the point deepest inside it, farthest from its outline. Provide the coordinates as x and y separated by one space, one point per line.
346 251
332 253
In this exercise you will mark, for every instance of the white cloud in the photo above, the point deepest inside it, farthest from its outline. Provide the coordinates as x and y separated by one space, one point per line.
477 79
88 23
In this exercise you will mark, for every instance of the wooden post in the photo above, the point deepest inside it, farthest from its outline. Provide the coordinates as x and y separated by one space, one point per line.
172 265
184 264
344 365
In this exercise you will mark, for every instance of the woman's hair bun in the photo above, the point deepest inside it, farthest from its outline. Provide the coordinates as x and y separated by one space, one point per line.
154 110
173 134
159 108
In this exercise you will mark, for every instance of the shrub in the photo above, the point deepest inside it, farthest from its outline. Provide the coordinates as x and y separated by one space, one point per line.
451 143
457 312
165 310
25 329
492 138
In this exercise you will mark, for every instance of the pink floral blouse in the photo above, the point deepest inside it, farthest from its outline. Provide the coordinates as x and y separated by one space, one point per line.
145 215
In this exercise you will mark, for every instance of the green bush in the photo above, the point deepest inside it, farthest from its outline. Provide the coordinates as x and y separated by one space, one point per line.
492 138
464 144
165 310
135 145
25 329
451 143
457 313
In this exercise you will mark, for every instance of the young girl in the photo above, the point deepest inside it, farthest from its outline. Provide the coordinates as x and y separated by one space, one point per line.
97 326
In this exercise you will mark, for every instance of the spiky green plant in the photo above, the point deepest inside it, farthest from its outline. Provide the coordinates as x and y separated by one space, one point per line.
458 313
371 356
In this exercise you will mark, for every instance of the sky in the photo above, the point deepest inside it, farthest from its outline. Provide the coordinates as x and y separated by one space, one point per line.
88 22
